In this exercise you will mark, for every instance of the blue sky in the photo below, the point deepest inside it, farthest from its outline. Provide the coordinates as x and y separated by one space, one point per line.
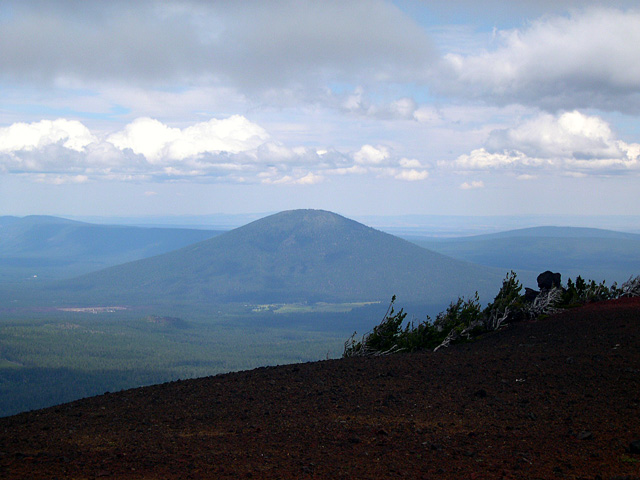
365 108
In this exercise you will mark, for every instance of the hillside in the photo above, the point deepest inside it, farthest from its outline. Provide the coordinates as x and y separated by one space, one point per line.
47 247
556 398
590 252
293 256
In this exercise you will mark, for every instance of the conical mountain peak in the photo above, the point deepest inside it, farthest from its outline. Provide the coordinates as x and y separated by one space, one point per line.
294 256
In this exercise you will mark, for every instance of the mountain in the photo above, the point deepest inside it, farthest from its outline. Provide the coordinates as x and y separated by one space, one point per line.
556 232
293 256
592 253
52 247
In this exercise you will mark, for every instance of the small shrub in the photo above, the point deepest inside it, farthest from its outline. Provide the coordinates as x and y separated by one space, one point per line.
464 320
630 288
382 340
509 304
546 303
459 315
582 292
422 336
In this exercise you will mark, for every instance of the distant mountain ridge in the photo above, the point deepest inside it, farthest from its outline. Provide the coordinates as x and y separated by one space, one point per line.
292 256
593 253
556 232
53 247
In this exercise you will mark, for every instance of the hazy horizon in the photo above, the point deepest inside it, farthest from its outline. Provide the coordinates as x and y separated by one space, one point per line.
427 225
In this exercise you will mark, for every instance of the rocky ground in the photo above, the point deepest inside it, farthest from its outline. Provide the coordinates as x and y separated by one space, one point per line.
555 398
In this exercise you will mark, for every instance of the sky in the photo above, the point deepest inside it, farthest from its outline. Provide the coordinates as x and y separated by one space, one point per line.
150 108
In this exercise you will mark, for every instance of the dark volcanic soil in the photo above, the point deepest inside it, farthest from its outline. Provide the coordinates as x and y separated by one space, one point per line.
556 398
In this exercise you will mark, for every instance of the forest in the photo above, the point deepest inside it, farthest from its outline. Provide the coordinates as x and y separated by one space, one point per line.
56 357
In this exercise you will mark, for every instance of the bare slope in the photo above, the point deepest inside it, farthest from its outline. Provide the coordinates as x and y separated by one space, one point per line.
293 256
556 398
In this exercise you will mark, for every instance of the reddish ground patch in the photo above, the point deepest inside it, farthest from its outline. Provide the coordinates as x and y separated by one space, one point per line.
557 398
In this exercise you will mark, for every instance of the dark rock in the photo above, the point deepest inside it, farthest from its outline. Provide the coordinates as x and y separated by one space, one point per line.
530 294
547 280
634 447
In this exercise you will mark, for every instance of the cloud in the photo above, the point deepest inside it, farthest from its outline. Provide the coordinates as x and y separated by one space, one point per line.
382 163
526 176
145 147
589 59
308 179
412 175
60 179
30 136
230 150
355 101
157 141
252 46
403 108
369 155
410 163
571 134
481 159
472 185
568 141
410 170
427 114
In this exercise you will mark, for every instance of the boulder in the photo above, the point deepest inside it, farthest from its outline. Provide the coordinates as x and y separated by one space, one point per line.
548 280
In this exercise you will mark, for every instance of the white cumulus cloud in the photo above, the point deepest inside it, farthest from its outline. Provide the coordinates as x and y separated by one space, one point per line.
381 162
232 150
481 159
158 142
571 140
70 134
571 134
370 155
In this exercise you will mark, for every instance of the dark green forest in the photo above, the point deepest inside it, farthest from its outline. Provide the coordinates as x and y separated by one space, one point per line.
56 357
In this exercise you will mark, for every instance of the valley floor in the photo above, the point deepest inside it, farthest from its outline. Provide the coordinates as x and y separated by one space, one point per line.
556 398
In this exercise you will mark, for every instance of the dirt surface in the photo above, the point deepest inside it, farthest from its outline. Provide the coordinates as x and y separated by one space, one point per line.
555 398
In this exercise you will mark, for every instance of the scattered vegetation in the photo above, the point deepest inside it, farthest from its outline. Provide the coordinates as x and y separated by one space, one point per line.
464 319
628 459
